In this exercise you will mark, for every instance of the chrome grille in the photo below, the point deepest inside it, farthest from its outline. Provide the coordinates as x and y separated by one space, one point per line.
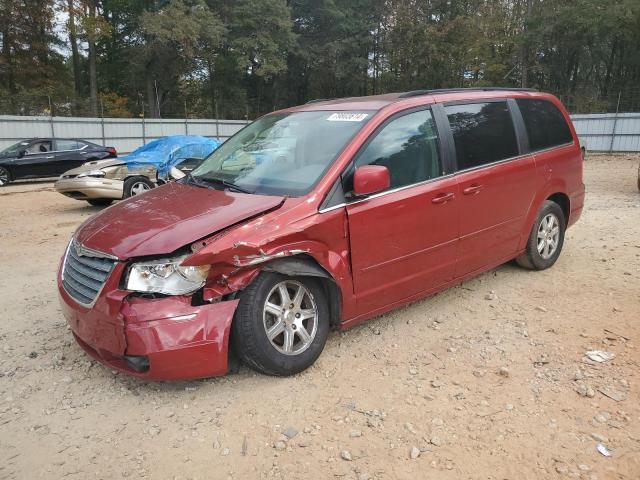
83 276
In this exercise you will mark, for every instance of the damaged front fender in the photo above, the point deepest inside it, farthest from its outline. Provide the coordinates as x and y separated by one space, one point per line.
307 247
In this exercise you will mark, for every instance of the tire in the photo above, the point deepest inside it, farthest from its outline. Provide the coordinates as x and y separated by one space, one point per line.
136 185
100 202
253 318
542 252
5 177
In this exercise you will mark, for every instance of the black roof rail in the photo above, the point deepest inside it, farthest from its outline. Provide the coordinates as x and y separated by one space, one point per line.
416 93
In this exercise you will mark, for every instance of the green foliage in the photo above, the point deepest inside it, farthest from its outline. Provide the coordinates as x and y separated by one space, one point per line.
187 26
247 57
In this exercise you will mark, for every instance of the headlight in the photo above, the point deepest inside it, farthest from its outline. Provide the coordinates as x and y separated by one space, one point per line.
166 276
92 173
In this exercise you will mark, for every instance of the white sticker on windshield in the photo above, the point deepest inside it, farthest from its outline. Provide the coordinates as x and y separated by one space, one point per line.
347 117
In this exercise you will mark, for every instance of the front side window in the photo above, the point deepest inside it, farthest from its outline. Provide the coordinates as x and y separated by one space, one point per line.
483 133
283 153
14 149
40 147
545 124
408 147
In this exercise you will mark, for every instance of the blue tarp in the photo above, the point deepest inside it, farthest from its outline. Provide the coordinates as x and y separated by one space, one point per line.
167 152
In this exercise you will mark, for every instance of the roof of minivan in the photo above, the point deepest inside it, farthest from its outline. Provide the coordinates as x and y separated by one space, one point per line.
378 102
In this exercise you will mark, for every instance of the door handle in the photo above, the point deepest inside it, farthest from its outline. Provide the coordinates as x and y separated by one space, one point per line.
51 156
472 189
443 198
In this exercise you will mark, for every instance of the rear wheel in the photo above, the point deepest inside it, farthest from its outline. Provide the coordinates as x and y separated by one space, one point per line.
136 185
5 177
100 202
546 238
281 324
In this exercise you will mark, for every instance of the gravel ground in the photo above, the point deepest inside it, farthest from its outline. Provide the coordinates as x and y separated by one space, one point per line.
488 380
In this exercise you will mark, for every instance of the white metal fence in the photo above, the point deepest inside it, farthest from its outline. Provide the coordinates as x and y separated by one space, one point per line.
606 132
125 134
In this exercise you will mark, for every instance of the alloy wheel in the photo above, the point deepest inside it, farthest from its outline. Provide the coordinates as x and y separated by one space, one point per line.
290 317
138 188
548 236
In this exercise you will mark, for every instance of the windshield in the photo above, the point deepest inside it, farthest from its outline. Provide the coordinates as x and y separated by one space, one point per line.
282 154
13 149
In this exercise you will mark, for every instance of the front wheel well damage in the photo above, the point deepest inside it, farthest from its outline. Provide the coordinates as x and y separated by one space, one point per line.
306 266
303 265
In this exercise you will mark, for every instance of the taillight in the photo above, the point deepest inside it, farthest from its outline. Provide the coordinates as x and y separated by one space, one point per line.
112 151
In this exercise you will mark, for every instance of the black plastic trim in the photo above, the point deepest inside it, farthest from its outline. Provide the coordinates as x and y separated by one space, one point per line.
445 136
335 195
518 124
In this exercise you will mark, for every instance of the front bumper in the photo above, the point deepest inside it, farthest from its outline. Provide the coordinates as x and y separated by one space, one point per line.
171 339
88 188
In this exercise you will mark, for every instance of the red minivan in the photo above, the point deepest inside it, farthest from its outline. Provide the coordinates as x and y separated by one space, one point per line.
318 217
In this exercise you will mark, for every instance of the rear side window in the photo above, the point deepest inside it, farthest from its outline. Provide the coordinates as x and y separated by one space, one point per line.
66 145
408 147
545 124
483 133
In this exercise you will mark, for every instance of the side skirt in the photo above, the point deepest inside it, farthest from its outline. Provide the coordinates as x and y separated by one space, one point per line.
352 322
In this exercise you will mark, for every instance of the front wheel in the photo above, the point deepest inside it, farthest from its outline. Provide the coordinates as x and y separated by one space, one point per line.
546 238
136 185
281 324
5 177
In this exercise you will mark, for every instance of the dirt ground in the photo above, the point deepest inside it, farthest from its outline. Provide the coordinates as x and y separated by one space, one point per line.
487 380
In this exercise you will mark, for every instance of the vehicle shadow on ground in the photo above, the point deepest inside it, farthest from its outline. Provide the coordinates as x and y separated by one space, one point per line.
38 181
238 372
78 207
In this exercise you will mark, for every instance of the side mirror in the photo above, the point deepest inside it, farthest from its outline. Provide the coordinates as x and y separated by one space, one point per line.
176 174
21 153
370 179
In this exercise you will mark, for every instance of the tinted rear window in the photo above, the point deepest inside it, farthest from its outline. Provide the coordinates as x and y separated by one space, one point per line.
545 124
483 133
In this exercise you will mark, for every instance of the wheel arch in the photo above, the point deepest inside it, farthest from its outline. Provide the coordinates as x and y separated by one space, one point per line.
555 192
9 171
304 265
562 199
137 175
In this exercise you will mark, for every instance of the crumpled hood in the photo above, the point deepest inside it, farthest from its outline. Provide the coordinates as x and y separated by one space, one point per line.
166 218
94 165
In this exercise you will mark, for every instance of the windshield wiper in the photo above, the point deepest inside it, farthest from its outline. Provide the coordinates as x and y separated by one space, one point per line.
225 183
191 180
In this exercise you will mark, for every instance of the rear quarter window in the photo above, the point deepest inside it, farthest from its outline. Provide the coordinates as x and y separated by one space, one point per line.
545 124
